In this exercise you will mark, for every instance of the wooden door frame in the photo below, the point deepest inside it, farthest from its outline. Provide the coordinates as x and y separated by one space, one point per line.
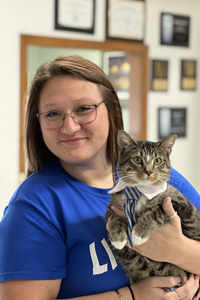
138 87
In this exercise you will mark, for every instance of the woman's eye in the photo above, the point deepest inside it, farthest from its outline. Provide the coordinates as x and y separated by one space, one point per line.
53 114
157 161
137 160
83 109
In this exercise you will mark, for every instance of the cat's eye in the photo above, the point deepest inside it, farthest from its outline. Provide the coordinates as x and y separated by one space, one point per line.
157 161
137 160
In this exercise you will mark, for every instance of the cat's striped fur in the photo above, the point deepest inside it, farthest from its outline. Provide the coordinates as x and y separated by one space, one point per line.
140 162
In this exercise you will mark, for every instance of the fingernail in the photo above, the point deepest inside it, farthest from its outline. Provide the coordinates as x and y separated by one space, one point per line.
168 199
178 279
113 208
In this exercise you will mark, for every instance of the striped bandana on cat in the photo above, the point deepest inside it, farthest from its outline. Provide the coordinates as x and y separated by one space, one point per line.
132 195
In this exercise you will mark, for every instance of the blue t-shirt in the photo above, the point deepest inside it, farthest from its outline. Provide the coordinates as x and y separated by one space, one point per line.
54 228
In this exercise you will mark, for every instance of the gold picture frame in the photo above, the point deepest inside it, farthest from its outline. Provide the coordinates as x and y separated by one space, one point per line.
159 76
188 75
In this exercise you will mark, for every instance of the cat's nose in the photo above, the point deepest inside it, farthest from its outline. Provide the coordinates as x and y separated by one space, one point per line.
149 173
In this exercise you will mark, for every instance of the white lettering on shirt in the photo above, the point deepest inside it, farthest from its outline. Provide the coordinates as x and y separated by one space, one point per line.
110 254
97 268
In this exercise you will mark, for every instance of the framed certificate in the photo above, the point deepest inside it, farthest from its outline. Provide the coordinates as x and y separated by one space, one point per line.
174 30
117 67
188 75
159 76
172 120
125 19
75 15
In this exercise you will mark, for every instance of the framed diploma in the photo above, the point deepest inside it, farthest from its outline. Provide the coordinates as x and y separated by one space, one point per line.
75 15
125 19
188 75
159 76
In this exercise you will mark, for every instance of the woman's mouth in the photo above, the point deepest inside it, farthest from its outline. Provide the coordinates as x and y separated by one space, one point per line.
73 141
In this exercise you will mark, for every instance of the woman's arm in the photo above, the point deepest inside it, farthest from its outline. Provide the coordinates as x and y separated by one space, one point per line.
49 290
30 289
149 289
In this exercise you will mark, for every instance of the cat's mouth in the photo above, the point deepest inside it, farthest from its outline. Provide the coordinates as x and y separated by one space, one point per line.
147 177
145 182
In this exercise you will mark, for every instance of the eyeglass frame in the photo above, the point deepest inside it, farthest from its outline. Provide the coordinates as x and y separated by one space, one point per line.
70 114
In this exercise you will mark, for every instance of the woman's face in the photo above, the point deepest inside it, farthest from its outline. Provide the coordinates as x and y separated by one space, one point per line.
72 143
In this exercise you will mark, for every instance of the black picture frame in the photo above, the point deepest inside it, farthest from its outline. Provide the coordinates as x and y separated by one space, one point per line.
159 75
188 74
172 120
81 18
174 30
125 20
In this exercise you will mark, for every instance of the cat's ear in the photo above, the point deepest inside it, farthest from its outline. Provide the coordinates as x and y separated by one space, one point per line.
124 139
168 142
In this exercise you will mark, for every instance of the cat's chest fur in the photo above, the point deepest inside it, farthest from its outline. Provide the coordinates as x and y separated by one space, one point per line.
141 202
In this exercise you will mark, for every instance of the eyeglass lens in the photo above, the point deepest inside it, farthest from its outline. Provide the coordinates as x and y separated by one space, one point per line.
81 115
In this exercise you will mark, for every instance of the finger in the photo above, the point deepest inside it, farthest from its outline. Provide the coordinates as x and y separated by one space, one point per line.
165 282
196 279
190 287
197 297
168 208
118 211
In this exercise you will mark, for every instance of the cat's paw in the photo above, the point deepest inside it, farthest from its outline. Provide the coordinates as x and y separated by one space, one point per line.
137 240
119 244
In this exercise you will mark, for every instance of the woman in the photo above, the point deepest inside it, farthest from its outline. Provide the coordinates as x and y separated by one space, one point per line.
53 235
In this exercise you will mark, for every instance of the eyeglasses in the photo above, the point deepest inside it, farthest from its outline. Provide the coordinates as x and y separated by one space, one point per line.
81 115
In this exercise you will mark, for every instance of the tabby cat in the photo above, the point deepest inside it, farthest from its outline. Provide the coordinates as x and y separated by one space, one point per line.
146 166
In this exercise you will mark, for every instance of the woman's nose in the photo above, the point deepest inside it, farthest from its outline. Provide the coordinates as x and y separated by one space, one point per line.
69 125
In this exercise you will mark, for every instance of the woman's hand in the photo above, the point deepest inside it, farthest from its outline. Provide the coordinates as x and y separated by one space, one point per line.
164 243
167 243
152 289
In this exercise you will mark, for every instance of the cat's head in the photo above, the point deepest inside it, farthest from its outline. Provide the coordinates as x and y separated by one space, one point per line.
144 162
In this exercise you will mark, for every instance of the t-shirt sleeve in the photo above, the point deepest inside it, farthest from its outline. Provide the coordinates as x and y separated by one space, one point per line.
183 185
31 247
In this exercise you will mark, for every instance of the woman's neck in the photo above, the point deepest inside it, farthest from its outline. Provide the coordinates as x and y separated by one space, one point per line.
99 176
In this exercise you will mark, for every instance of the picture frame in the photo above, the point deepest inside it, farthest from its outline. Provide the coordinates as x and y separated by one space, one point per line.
188 75
117 68
125 19
159 75
172 120
174 30
73 15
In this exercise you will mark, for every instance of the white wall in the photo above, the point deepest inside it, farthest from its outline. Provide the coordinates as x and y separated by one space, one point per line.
36 17
185 155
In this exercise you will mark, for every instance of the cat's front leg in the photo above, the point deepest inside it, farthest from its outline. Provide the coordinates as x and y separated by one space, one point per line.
118 231
146 222
143 229
138 239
